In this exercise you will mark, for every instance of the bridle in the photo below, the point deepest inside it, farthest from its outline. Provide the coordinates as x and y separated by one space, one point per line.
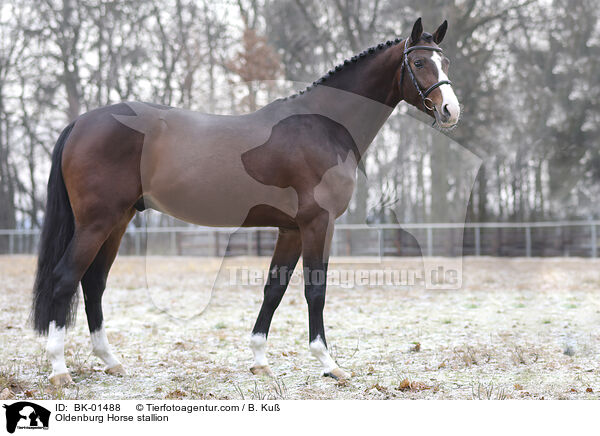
427 102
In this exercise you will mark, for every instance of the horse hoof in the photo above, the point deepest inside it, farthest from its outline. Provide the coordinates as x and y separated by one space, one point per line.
116 370
337 374
261 370
59 380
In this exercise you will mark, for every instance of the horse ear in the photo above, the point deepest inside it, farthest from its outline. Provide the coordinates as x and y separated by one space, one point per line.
439 34
417 31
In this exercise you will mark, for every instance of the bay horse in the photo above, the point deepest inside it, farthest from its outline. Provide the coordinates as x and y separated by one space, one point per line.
291 165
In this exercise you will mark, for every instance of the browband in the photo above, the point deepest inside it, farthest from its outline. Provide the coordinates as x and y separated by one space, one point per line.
422 47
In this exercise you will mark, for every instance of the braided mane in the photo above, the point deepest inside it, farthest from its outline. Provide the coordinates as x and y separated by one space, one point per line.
354 59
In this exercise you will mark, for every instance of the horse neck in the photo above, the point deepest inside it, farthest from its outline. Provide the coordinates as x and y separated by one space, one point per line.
361 96
374 77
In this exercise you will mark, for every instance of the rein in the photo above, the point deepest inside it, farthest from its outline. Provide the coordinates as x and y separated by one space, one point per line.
427 102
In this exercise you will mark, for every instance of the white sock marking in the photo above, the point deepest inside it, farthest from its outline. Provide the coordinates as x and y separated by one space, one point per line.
258 344
319 350
101 348
55 349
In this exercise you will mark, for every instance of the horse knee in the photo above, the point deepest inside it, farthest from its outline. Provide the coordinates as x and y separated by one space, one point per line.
273 294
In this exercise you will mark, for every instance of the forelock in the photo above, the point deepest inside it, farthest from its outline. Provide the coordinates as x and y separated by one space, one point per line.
427 37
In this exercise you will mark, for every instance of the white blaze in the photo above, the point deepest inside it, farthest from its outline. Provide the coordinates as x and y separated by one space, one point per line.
449 99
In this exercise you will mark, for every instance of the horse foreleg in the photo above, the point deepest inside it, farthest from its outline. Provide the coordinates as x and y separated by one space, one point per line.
285 257
316 240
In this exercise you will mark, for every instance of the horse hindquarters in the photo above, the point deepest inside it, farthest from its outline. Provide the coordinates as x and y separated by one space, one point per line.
93 186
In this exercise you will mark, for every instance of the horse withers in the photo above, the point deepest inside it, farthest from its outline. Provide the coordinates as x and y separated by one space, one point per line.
292 165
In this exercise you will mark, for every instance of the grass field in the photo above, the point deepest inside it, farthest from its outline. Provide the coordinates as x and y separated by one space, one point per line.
518 329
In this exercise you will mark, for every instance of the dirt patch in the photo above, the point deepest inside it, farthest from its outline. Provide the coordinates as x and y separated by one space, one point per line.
518 328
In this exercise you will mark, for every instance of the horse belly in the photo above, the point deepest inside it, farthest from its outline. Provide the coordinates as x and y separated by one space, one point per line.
211 188
191 165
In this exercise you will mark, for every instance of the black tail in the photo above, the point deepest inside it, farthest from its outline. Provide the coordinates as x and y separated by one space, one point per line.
57 232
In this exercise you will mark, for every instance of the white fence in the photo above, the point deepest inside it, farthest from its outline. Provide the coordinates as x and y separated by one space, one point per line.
564 238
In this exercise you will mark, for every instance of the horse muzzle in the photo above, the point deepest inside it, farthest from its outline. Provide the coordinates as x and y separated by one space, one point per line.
447 114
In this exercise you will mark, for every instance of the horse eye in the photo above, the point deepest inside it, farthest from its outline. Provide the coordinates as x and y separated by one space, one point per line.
419 64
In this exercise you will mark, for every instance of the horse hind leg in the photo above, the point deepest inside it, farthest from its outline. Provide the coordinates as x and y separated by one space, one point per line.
78 256
94 284
55 350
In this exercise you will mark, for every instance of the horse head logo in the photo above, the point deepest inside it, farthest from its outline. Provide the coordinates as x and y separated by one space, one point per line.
24 414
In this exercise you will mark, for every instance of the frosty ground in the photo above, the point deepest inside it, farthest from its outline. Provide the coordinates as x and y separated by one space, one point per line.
517 328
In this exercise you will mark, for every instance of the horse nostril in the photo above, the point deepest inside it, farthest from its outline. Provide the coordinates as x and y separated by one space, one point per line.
446 111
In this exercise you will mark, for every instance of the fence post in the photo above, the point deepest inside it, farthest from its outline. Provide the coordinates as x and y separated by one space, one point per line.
528 241
334 245
137 243
11 243
429 241
381 242
348 243
174 243
477 241
248 243
594 241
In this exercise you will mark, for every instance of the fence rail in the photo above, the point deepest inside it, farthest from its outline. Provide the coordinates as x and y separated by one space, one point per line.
546 238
